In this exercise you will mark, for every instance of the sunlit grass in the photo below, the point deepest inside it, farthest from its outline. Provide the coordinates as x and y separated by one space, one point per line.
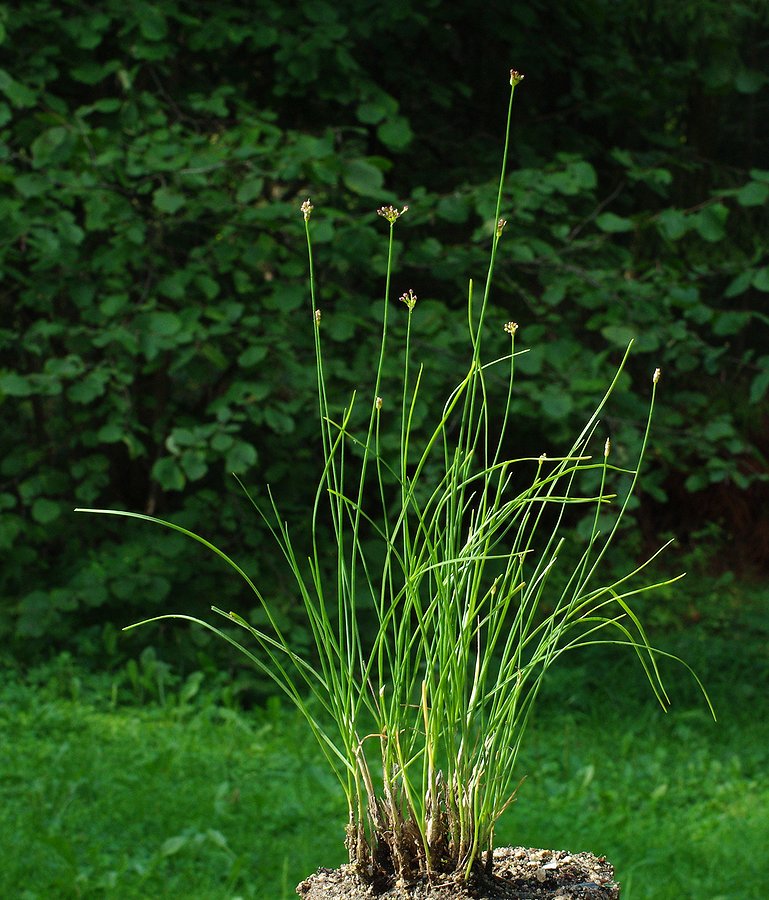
102 800
127 802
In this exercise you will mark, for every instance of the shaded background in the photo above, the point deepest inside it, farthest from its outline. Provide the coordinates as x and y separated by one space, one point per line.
155 331
156 336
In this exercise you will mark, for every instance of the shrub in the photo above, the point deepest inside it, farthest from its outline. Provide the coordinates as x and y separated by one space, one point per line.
151 156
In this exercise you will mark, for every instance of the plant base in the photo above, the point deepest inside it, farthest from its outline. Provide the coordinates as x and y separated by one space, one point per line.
518 874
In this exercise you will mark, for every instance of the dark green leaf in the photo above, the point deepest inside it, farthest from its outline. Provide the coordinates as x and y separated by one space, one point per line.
279 421
749 81
32 185
250 189
89 388
754 193
612 223
194 464
711 222
621 335
760 383
164 323
208 286
454 208
15 385
240 457
761 279
52 146
363 178
19 94
395 133
252 356
168 474
109 434
555 403
739 284
152 22
726 323
92 72
371 113
673 224
45 511
168 200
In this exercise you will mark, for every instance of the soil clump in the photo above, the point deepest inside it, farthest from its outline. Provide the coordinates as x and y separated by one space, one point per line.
518 874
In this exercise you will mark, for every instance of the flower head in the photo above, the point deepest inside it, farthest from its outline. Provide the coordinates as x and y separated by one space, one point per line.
307 209
511 328
657 375
501 226
607 447
409 298
378 403
317 317
391 213
515 77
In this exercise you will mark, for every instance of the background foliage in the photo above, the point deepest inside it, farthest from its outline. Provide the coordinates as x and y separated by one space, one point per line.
154 335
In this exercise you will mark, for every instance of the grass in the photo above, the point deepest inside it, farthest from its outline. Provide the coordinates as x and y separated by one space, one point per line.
194 800
104 801
467 558
676 802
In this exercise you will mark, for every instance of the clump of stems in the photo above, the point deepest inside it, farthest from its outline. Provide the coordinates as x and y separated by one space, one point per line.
423 722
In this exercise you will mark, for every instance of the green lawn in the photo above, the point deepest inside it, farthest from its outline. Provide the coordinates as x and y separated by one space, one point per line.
194 800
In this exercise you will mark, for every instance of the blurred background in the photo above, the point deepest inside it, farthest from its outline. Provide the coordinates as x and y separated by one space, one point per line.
156 337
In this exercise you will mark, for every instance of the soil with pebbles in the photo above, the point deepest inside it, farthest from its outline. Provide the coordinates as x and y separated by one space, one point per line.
518 874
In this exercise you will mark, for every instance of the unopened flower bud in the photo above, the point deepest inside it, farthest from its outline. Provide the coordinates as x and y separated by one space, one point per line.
501 226
378 403
307 209
657 375
317 317
607 447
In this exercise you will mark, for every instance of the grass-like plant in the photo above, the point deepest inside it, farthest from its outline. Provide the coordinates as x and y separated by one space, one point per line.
422 720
